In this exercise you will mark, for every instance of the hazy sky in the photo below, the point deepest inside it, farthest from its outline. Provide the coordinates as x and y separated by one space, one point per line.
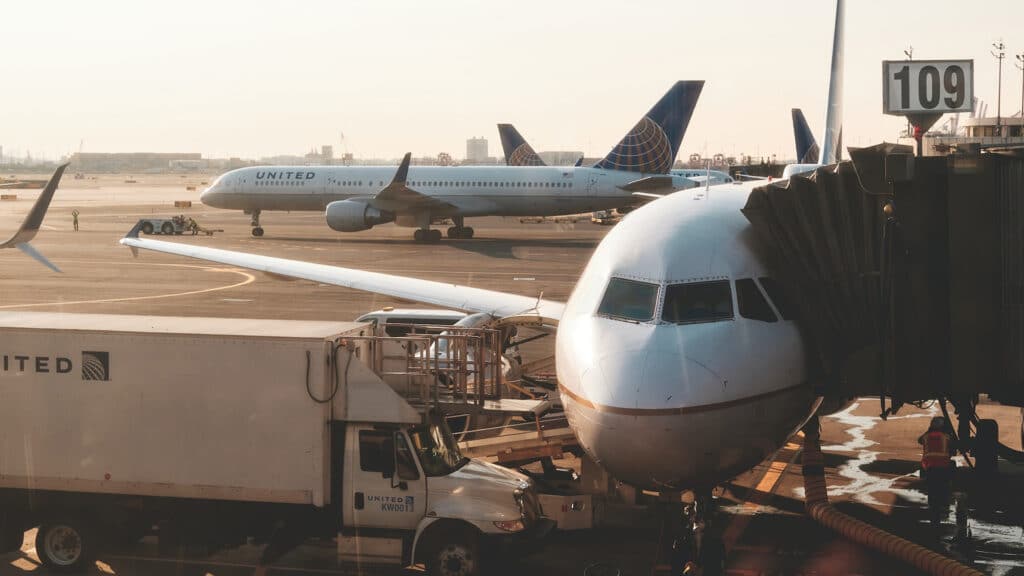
259 78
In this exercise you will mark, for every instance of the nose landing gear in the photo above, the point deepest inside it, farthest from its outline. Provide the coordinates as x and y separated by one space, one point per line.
695 547
257 230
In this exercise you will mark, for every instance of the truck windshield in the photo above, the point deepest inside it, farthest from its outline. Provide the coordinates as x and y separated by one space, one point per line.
438 452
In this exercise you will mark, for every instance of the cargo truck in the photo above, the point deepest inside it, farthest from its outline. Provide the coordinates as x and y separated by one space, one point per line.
221 431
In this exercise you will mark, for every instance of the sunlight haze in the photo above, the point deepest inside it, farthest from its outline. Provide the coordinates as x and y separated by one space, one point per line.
261 78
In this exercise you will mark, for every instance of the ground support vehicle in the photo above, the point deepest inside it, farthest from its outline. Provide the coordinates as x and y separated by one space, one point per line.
218 431
167 226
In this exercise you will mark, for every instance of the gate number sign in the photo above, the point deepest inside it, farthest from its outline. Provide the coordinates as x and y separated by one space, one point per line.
927 86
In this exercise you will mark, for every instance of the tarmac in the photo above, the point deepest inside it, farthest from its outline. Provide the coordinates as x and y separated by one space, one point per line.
871 465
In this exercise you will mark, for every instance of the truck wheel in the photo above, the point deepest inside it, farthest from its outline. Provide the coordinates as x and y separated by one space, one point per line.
147 227
64 547
167 228
457 557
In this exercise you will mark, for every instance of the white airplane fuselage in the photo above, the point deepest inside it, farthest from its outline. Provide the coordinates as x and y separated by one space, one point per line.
666 405
466 190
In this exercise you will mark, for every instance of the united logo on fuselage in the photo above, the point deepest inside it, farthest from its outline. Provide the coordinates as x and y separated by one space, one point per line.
284 175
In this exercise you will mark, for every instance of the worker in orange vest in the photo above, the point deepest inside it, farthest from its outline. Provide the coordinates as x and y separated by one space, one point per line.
937 467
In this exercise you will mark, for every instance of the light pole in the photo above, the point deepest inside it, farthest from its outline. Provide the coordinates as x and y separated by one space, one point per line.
909 53
1020 66
999 95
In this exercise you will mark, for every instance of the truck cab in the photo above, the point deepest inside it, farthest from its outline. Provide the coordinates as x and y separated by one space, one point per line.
413 496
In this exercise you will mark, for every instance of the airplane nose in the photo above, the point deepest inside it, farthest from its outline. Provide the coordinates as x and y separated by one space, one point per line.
211 197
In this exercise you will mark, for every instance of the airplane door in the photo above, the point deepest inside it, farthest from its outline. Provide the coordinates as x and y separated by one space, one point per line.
594 183
386 488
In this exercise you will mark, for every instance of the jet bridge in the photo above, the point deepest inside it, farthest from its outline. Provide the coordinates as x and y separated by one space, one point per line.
909 271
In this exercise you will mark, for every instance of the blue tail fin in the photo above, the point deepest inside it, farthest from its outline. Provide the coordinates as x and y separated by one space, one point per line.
806 146
517 151
651 146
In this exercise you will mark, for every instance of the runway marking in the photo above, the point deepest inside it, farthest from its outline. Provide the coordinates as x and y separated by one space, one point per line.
766 486
249 278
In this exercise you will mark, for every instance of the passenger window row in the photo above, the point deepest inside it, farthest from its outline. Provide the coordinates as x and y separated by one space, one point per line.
694 302
448 183
280 182
488 184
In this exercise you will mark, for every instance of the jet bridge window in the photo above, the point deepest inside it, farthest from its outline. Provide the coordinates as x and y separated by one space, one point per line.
629 300
697 302
752 303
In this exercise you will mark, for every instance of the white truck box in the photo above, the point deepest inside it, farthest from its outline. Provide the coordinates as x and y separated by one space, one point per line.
151 405
219 430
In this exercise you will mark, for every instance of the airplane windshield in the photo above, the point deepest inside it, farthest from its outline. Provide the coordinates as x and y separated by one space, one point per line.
629 300
698 302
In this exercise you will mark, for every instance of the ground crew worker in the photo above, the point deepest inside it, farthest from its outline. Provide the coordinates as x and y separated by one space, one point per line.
193 226
937 468
74 219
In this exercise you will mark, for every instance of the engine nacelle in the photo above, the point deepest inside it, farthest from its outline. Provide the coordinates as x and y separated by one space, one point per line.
354 215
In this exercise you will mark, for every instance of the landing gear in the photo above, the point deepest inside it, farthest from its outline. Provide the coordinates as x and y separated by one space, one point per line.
695 545
463 232
460 230
257 230
427 235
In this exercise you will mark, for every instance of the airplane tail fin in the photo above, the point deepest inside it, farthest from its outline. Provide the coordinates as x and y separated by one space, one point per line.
517 151
807 151
30 226
651 146
832 142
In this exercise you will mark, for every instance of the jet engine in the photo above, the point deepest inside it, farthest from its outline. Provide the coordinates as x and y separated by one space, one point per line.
354 215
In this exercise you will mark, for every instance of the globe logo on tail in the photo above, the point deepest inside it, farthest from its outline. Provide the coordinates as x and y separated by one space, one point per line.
524 155
645 149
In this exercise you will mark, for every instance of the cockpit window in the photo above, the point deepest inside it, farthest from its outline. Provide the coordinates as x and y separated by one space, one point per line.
752 303
778 297
697 302
629 300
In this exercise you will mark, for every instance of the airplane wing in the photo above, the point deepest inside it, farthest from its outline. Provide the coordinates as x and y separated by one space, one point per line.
648 195
498 304
660 184
30 226
398 197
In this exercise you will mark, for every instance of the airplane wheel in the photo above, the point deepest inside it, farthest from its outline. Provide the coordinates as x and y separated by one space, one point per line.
453 232
257 231
467 232
433 236
147 228
418 235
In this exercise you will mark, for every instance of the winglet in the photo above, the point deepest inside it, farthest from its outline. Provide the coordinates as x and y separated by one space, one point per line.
30 226
31 251
652 145
517 151
134 232
403 169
